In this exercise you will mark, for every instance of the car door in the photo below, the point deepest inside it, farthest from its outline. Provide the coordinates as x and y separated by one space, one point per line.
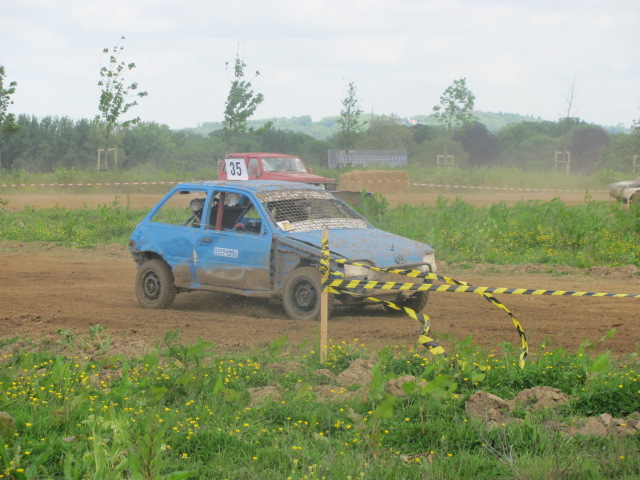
173 230
234 248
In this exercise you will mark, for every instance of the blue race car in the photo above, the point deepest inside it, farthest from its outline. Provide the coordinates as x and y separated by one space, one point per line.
262 239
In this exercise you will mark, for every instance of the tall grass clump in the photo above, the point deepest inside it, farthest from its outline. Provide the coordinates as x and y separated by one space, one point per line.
74 409
596 233
512 177
83 228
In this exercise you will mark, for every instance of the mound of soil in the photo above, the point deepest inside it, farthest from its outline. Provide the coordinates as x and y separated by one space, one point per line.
378 181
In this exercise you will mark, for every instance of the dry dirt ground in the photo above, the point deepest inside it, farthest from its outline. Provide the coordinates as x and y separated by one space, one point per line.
47 289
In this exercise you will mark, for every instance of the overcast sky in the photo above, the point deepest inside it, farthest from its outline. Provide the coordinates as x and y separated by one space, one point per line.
518 56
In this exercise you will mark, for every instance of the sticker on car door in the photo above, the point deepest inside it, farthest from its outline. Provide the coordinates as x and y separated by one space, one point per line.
225 252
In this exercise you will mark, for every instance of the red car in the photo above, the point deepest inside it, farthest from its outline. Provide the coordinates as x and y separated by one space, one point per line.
277 166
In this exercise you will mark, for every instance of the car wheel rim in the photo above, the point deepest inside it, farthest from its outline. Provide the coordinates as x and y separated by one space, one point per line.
305 296
151 286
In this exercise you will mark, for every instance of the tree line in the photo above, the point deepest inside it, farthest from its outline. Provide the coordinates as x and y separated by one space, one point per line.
45 144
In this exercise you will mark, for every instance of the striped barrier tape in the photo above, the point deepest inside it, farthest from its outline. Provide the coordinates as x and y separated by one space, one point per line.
345 285
423 339
329 275
466 288
337 284
511 189
432 185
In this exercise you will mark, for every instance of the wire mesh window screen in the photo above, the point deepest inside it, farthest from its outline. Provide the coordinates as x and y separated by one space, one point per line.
306 210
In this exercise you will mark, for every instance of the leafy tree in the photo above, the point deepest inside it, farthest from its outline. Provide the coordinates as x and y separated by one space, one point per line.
242 102
635 131
422 133
147 142
7 120
116 97
456 106
619 154
478 142
585 146
386 133
349 121
528 145
426 154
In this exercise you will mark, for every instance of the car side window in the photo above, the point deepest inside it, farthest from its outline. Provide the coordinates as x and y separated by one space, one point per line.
234 212
183 208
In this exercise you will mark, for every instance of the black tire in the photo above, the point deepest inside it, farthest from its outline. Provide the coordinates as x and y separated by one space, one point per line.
418 301
301 294
155 285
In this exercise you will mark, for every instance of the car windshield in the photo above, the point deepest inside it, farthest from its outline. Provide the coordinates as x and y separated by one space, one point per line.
283 164
298 210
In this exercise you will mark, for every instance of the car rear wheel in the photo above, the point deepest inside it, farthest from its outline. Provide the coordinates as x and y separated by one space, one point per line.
301 295
155 285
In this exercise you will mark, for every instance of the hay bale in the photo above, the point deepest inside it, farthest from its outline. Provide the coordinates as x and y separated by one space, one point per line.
378 181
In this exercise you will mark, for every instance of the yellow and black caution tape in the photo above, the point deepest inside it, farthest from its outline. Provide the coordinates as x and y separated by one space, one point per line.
429 343
465 288
324 267
327 275
335 283
454 285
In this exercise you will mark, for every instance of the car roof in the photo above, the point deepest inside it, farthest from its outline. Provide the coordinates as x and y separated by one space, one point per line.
254 186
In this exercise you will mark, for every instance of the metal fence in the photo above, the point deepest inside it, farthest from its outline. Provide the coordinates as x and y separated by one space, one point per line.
366 158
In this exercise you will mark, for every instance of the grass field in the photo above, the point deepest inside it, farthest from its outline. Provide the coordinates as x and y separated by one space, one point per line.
76 411
72 408
586 235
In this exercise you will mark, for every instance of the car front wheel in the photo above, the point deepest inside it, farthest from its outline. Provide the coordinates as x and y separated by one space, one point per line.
155 285
301 295
417 302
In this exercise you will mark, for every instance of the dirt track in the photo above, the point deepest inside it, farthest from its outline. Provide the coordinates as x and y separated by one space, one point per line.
47 289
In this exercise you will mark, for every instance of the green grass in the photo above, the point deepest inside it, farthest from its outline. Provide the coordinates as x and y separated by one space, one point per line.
552 233
596 233
514 178
184 411
81 228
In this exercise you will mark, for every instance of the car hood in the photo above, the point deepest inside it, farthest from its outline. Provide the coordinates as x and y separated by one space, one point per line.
626 184
382 248
297 177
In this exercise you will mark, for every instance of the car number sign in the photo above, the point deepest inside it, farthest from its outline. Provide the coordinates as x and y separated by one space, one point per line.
236 169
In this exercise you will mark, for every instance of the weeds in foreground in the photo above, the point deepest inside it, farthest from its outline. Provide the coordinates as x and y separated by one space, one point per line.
184 411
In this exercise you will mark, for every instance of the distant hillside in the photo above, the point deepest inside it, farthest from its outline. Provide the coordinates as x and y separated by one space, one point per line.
493 121
320 130
328 126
